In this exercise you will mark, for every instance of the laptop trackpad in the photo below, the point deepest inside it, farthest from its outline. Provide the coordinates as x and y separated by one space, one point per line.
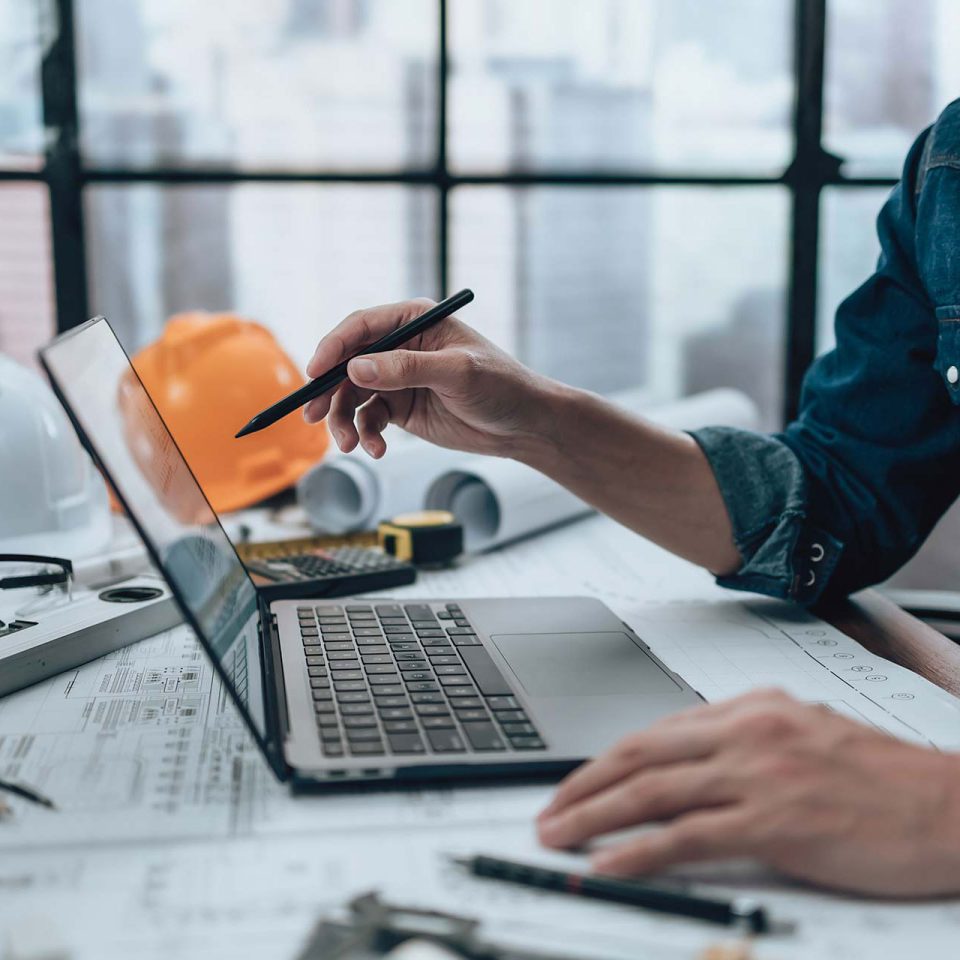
582 664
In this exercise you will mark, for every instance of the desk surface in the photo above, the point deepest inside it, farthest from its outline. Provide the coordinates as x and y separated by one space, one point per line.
174 840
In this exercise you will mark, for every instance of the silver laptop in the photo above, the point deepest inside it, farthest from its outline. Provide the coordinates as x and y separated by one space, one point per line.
362 688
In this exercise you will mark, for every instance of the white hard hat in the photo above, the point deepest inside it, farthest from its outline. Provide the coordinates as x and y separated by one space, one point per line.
52 500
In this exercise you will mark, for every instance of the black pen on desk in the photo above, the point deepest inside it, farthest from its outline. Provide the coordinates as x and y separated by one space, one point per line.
338 374
744 913
26 793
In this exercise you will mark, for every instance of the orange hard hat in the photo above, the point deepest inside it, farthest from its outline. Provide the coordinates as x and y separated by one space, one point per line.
208 374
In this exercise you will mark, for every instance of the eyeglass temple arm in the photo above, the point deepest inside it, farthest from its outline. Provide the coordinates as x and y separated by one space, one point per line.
35 580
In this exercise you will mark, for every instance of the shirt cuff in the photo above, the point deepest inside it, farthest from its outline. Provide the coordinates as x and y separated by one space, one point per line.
764 488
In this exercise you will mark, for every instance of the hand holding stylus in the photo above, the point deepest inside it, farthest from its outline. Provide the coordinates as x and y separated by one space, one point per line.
453 387
449 385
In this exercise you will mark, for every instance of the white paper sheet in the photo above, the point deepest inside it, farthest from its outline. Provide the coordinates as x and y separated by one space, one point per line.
257 898
175 841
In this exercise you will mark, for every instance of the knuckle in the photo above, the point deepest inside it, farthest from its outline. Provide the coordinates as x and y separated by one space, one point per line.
359 324
572 824
689 840
767 723
402 365
779 767
473 365
630 747
645 793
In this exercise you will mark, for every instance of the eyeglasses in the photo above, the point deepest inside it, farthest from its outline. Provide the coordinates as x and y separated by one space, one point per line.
53 576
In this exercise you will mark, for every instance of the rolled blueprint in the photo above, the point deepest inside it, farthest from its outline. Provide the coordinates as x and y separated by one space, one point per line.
496 500
352 492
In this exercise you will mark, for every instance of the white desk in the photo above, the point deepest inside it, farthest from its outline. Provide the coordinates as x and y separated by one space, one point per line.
174 840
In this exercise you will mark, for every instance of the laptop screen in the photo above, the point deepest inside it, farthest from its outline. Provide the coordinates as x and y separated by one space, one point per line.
104 395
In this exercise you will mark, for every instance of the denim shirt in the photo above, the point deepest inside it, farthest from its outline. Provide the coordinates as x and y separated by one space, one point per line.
851 489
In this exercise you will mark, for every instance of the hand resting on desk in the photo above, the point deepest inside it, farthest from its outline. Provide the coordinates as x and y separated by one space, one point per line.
804 790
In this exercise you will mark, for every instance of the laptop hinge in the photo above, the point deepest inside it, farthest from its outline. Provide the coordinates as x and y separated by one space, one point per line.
278 722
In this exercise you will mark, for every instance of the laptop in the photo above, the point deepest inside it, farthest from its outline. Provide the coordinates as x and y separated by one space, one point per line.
362 688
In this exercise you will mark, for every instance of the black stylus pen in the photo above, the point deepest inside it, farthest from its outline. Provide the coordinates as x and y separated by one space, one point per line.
338 374
736 913
27 794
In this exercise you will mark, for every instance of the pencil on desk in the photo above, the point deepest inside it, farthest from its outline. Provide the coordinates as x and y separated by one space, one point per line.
26 794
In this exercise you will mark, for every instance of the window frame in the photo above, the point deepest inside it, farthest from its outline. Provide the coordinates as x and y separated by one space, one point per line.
810 170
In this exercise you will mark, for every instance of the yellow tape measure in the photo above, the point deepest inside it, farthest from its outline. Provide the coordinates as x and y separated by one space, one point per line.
427 537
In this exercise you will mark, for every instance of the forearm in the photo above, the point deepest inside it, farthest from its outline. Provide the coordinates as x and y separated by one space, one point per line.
655 481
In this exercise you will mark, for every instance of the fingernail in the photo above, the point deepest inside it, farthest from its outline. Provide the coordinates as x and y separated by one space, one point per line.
549 828
547 812
363 369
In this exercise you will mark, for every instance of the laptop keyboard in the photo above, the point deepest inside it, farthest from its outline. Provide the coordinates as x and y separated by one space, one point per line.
392 679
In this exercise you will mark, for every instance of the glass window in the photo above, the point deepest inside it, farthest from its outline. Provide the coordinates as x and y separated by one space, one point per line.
891 67
673 289
615 84
26 283
296 258
345 84
21 116
848 250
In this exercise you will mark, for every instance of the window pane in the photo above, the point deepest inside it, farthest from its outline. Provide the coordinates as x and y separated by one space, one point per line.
263 83
296 258
26 282
892 66
675 289
677 84
21 120
848 250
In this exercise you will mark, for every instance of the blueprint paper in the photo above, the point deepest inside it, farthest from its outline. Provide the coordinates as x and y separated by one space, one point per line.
174 840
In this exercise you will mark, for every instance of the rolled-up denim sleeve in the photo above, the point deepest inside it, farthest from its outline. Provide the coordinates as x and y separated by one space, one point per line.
849 491
764 488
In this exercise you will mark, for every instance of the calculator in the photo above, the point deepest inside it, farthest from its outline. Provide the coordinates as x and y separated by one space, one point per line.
323 567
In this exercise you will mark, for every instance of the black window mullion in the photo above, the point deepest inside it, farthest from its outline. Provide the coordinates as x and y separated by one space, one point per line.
811 169
443 172
62 170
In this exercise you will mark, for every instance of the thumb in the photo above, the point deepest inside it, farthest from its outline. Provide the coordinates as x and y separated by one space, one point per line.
400 369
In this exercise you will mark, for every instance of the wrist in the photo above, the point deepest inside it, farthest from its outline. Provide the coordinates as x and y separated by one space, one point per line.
939 840
556 410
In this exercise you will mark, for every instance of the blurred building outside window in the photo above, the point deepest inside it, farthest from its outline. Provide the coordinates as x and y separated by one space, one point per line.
682 285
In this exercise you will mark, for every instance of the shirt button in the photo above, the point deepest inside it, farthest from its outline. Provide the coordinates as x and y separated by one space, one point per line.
816 552
953 374
811 579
